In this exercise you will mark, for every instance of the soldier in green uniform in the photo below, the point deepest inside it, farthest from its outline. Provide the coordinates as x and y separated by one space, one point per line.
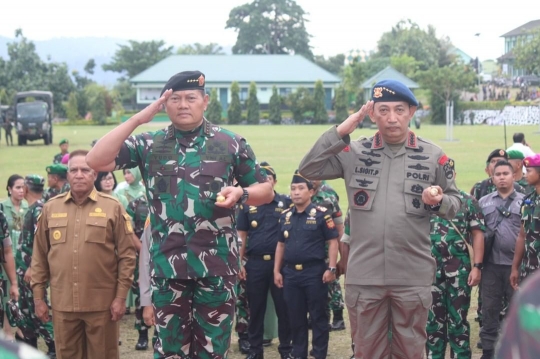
30 326
516 160
14 350
8 264
327 197
57 181
189 169
527 252
64 146
454 277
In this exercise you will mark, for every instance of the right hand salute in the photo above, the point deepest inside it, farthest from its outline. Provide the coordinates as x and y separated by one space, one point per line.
147 114
349 125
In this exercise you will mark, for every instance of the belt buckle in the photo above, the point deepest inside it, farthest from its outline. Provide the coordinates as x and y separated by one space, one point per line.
267 257
298 267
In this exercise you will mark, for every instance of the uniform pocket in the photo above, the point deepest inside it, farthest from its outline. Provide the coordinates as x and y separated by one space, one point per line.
413 198
213 176
57 230
96 230
363 191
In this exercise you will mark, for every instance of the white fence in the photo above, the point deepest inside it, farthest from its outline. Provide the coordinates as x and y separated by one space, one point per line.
513 115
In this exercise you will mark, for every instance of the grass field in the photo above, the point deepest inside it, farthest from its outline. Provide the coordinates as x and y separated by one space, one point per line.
283 147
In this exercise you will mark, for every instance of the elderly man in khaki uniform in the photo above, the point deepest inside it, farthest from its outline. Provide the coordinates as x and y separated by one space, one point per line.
83 248
395 181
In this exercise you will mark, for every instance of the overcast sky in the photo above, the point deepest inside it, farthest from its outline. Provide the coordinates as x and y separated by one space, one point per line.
337 26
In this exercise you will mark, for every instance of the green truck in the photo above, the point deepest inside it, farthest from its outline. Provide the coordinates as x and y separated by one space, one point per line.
33 115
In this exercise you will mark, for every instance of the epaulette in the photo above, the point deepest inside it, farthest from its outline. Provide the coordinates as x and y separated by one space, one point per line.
58 196
322 209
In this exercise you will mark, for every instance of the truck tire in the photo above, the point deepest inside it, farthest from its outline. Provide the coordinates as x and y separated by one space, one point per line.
21 140
47 139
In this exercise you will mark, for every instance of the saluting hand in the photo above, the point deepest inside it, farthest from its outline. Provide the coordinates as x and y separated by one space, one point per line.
147 114
351 123
432 199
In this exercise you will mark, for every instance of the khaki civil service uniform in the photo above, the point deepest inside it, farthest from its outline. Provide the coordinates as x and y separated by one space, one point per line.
390 268
86 253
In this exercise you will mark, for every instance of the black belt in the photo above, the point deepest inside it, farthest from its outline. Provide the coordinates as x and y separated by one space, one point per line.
264 257
302 266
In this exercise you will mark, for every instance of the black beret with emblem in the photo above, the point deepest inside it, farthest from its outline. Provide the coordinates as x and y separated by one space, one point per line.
298 178
186 80
392 91
497 153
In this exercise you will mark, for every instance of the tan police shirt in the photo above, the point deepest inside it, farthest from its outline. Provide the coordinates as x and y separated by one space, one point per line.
84 251
389 233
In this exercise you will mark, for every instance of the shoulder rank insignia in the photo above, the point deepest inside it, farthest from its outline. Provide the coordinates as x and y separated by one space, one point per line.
321 208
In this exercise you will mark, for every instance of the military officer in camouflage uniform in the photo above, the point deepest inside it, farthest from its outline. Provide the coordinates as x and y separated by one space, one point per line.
395 181
454 278
300 267
189 169
8 264
57 181
527 252
516 160
64 146
138 211
30 326
327 197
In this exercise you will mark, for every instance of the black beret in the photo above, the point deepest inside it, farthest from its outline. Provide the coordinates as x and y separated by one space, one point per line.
186 80
392 91
298 178
497 153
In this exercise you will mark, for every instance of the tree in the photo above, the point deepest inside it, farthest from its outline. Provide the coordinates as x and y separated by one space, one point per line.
405 64
200 49
125 93
71 107
340 104
234 113
136 57
527 52
320 115
333 64
445 83
274 107
252 105
213 114
300 103
270 27
99 102
90 66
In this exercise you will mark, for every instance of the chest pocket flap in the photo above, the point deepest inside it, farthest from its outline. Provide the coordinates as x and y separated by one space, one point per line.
363 191
96 230
413 198
57 230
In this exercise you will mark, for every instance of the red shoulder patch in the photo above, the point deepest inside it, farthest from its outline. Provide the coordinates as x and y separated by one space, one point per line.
347 148
443 159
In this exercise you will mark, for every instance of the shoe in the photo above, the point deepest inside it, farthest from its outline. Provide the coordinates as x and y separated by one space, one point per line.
142 343
267 342
487 354
479 345
244 346
338 325
311 353
51 353
255 356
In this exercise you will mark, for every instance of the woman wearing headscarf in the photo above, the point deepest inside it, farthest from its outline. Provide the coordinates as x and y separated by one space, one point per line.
135 188
106 183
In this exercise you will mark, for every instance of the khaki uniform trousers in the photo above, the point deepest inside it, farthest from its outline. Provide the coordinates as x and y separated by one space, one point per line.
388 322
85 335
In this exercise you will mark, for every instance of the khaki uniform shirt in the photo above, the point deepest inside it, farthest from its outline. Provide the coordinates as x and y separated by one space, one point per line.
84 251
389 239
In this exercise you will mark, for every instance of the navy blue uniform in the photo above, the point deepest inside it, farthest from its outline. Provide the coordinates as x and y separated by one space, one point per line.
261 223
305 235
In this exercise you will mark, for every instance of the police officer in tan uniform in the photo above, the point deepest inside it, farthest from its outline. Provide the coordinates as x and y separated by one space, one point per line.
395 181
83 248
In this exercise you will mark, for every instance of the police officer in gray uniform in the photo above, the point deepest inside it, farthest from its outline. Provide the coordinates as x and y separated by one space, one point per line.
395 181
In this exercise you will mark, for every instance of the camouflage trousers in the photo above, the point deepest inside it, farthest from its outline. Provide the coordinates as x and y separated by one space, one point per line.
242 309
2 304
139 321
335 296
447 318
193 317
30 325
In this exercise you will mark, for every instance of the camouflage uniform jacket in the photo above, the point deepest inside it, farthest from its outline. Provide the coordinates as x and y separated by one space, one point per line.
58 158
327 197
485 187
527 189
138 210
25 246
4 234
53 192
530 219
447 246
183 173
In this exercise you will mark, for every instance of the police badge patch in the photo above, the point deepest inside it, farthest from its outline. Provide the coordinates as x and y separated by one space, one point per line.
361 198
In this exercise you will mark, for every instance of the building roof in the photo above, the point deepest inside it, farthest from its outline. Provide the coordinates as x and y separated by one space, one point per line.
241 68
389 73
465 58
521 30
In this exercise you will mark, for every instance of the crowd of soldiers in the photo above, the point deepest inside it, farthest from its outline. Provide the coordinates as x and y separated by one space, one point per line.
213 243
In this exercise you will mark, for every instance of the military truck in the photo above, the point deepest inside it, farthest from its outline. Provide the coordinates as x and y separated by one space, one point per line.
33 115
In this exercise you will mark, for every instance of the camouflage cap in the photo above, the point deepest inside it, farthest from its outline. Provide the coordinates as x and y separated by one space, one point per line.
56 169
34 180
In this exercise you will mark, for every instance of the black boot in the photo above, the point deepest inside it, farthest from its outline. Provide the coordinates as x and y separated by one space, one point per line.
259 355
487 354
142 343
243 343
51 352
338 323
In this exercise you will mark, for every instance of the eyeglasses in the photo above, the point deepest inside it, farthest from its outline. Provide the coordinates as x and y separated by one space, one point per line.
107 179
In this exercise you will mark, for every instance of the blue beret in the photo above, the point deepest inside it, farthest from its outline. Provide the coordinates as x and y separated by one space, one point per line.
392 91
186 80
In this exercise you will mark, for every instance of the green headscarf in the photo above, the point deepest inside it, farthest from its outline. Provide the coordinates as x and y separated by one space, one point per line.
135 189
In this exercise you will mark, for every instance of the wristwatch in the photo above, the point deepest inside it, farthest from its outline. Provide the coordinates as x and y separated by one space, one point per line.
244 197
478 265
332 270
